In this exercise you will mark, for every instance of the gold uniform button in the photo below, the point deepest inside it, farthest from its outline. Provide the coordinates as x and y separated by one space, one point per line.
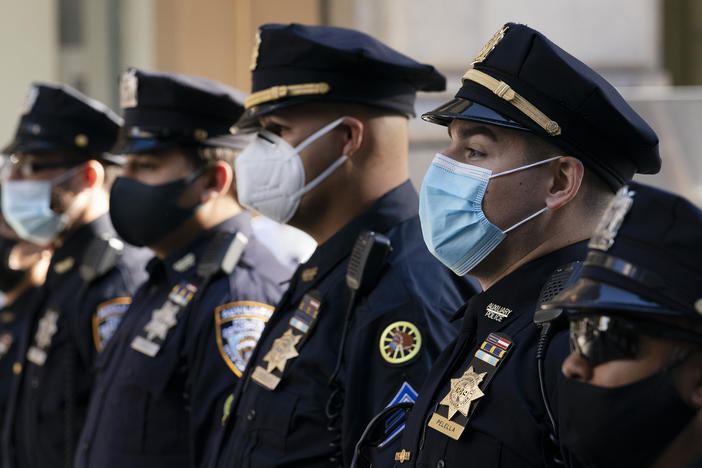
17 368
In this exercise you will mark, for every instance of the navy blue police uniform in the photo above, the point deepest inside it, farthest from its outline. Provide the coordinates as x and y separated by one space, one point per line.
192 326
91 278
482 403
12 318
640 277
288 409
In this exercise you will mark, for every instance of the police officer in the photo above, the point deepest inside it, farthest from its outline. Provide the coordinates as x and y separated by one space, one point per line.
330 158
23 268
54 193
538 142
193 324
633 378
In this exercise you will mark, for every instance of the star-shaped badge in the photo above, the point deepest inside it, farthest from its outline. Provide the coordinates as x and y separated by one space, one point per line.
283 349
463 391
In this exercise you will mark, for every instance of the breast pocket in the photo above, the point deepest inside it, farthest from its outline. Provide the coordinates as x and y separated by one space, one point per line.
152 410
270 420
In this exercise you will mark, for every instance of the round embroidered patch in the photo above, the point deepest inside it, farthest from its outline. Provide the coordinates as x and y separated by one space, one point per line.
400 342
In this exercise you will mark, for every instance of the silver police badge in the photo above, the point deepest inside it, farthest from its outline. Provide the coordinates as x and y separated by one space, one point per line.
238 326
612 219
29 100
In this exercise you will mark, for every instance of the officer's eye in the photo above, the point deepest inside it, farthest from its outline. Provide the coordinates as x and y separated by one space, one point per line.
274 128
472 153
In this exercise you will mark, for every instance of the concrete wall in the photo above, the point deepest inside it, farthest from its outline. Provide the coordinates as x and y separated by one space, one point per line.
29 51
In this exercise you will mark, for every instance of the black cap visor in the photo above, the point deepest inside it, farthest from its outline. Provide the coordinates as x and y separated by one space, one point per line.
464 109
594 295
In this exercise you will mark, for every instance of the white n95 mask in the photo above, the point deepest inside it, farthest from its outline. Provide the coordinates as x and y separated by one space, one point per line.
270 177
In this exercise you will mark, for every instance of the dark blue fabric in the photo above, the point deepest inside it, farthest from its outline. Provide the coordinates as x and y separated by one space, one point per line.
157 411
288 426
35 434
509 427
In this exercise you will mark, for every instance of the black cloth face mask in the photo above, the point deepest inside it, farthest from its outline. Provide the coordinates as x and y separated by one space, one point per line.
143 214
626 426
9 277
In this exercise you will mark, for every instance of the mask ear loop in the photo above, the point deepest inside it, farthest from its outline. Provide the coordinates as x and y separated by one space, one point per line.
335 165
545 208
326 129
521 168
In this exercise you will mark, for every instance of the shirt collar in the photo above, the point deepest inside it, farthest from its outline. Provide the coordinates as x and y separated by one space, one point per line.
181 263
396 206
519 288
70 255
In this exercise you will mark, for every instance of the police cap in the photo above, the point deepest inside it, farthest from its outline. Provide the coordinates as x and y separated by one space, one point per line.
522 80
167 109
645 260
294 63
59 118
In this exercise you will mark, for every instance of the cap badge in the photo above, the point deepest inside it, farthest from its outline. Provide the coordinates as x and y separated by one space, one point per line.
490 45
254 52
612 219
81 140
128 89
29 100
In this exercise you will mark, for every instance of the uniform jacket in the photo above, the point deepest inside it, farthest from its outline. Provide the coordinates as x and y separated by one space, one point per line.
509 425
70 326
158 411
288 426
12 319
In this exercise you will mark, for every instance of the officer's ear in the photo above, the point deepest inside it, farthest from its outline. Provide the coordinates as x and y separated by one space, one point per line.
354 135
566 177
218 181
92 175
690 383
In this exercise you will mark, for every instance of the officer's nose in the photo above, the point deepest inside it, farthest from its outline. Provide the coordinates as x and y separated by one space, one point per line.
575 367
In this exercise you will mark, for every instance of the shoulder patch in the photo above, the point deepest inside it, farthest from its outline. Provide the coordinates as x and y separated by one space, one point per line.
400 342
238 326
107 317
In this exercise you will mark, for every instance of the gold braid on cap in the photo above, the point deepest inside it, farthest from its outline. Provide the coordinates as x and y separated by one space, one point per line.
504 91
278 92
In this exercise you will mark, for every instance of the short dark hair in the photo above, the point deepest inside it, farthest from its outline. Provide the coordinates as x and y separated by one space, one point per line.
596 192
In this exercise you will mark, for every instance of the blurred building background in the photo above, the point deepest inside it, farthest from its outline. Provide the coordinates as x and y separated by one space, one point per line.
650 49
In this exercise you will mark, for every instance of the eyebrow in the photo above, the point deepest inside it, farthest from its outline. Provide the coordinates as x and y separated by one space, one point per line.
467 132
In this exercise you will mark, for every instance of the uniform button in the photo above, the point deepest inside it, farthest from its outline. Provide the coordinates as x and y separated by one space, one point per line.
101 391
17 368
85 446
35 382
440 464
251 415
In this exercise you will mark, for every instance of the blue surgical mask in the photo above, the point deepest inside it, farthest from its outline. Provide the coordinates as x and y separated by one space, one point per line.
26 206
454 225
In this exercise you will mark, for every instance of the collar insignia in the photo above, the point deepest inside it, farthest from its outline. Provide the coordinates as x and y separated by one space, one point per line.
64 265
184 263
497 312
308 274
